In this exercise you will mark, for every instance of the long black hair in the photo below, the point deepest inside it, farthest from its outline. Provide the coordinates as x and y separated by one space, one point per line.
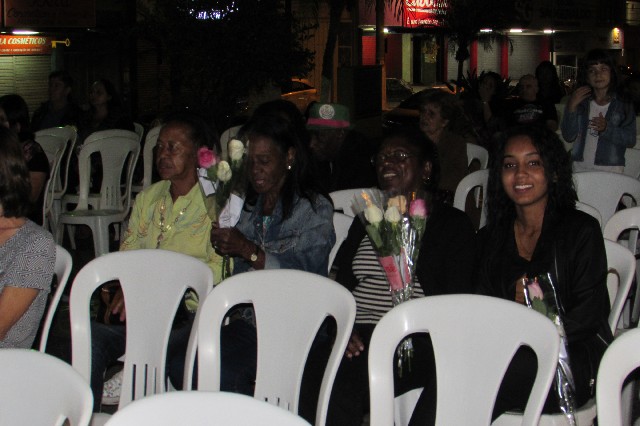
285 134
15 185
557 171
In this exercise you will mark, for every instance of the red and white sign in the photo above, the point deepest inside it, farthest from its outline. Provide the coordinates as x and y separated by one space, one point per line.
421 13
25 45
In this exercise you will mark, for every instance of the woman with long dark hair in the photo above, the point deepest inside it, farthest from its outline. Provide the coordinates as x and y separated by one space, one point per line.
534 229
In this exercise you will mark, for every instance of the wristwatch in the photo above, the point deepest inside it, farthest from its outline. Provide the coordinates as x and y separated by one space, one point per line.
254 255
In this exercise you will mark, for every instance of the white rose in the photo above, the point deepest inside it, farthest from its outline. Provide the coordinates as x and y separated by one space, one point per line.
236 149
392 214
224 171
373 214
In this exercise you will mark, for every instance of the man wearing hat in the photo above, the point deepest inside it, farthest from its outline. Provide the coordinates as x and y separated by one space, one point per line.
343 155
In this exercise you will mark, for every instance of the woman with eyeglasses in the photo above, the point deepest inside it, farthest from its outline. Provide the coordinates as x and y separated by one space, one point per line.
599 123
406 161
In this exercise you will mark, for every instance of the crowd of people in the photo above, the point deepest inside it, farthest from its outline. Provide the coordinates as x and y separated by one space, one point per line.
292 162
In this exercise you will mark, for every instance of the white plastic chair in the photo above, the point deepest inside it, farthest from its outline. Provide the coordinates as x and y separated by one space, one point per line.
54 148
620 359
341 224
604 190
290 306
590 210
225 138
632 162
39 389
621 265
343 200
62 269
475 180
153 283
139 130
119 151
203 409
474 339
626 220
476 152
147 159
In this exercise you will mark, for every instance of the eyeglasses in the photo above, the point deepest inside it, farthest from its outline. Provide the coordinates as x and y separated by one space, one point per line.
392 157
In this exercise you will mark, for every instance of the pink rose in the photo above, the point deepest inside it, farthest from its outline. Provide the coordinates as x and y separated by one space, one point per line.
206 158
535 292
418 208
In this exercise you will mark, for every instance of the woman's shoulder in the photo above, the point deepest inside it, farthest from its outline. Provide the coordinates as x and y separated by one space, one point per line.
33 236
574 219
318 204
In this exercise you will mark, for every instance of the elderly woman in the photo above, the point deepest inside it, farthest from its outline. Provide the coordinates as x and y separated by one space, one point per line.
27 252
442 120
286 223
405 162
170 215
14 114
533 228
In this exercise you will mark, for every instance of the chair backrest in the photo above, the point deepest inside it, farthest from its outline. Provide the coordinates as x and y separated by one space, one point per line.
119 151
341 224
477 179
147 155
474 339
54 147
225 138
139 129
203 409
590 210
619 360
62 269
632 162
40 389
154 283
343 200
69 134
476 152
278 296
621 272
604 190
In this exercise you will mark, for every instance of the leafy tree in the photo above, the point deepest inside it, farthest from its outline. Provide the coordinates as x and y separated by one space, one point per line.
464 20
222 50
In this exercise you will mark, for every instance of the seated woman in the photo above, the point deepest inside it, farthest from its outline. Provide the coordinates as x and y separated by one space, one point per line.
442 120
286 222
27 252
169 215
14 114
534 228
406 161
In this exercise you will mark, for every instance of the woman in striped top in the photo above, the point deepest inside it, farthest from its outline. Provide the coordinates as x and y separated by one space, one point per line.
406 161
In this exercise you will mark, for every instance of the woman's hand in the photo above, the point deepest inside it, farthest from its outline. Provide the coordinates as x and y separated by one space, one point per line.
230 241
355 345
117 305
579 95
599 123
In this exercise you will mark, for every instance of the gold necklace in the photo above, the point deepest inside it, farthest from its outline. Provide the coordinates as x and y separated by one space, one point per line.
161 223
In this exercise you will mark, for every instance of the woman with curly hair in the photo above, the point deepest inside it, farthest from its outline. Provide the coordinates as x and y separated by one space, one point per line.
533 228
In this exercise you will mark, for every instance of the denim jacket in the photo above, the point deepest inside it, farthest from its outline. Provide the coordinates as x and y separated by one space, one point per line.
619 134
302 241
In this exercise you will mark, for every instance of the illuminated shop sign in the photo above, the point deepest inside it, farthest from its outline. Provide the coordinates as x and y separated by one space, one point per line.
420 13
25 45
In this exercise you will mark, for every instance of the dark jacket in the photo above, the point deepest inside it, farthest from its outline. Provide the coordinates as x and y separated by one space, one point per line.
571 248
445 264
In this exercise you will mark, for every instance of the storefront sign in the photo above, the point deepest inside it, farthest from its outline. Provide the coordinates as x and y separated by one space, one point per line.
49 13
25 45
420 13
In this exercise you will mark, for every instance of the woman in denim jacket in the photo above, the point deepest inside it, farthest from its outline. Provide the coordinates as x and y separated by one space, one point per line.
601 124
286 222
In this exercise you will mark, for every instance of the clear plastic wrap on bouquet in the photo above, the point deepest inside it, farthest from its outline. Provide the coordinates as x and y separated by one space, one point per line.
395 224
540 294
